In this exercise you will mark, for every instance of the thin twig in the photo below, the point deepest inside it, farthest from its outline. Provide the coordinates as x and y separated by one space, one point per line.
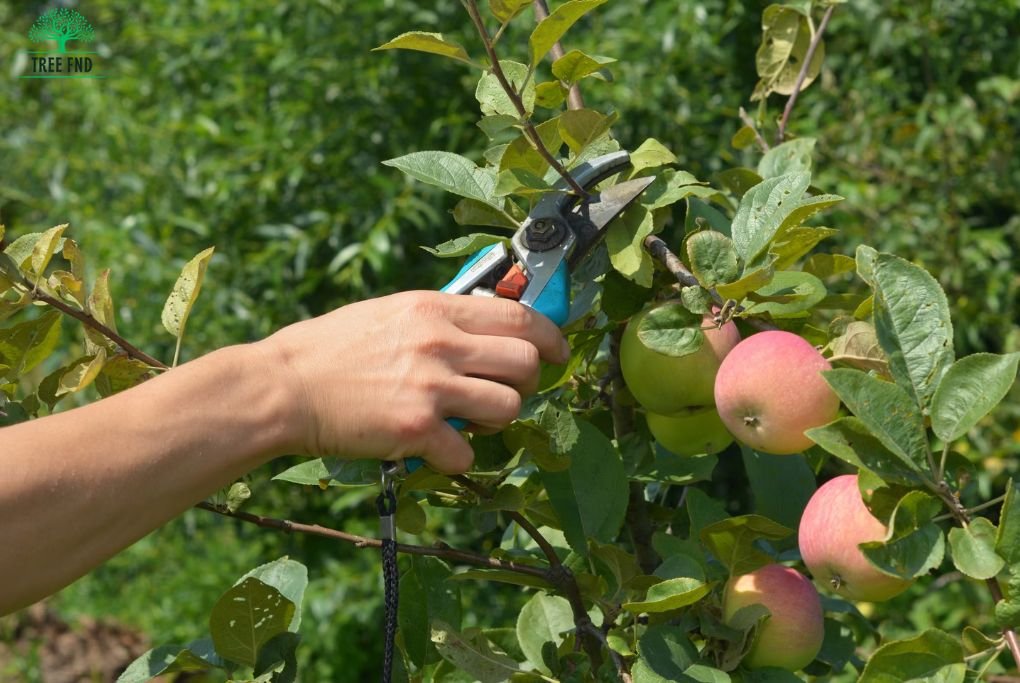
574 99
804 67
129 348
621 666
749 122
444 552
529 128
661 252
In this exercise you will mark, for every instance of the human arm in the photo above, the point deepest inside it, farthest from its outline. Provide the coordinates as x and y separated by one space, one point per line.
373 379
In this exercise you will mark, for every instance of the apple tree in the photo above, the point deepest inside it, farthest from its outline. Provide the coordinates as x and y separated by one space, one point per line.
711 330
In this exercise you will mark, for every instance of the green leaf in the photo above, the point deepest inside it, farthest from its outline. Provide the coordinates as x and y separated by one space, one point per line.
25 345
782 485
669 595
973 549
763 209
44 248
100 305
505 10
850 439
185 292
465 245
622 298
280 650
791 244
790 157
680 470
732 541
713 258
288 576
590 498
575 65
426 594
672 330
625 240
164 660
450 172
1007 538
825 266
970 389
738 180
423 41
520 181
472 653
751 281
543 619
554 26
503 576
925 657
914 545
796 292
786 36
522 154
246 617
475 212
696 299
21 249
493 100
550 94
667 652
671 186
81 373
886 410
120 373
651 154
838 646
913 325
580 127
325 472
238 493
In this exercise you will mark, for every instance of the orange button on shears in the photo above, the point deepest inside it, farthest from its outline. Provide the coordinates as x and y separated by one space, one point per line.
513 284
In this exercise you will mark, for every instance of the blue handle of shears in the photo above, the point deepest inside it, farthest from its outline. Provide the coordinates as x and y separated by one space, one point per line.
553 303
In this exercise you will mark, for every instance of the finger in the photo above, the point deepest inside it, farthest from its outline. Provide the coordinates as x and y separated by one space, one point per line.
508 318
447 452
501 359
482 402
482 430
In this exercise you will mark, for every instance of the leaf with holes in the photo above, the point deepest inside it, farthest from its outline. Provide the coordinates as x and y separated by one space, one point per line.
246 617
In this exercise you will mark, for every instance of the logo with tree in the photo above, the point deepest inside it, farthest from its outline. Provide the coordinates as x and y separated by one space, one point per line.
62 25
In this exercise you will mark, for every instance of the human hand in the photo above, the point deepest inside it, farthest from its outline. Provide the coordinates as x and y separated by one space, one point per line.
377 378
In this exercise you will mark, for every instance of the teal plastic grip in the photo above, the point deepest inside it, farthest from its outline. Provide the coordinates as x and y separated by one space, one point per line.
553 303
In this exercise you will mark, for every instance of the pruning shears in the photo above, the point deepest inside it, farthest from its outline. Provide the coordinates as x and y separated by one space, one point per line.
561 230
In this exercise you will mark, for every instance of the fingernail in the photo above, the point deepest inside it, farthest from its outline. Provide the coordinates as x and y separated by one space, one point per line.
565 351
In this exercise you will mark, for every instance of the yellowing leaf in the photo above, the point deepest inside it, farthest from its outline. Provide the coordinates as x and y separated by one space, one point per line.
182 298
552 28
433 43
43 250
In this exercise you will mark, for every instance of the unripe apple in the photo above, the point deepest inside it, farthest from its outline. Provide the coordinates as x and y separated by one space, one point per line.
669 384
792 637
698 430
769 389
834 522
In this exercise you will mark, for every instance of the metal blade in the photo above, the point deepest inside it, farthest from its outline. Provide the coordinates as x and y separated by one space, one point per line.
594 216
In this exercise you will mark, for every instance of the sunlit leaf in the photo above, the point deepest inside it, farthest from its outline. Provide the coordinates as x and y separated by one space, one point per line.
434 43
178 305
554 26
970 389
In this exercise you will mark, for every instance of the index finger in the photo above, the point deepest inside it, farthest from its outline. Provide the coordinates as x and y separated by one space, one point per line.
509 318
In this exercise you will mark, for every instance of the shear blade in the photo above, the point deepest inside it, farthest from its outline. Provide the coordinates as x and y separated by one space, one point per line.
599 211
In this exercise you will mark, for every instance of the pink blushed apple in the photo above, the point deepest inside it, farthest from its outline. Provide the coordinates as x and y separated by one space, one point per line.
834 523
792 637
769 390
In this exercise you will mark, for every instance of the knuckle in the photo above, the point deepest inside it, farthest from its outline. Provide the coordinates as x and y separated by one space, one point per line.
516 316
433 346
529 355
415 425
424 304
511 406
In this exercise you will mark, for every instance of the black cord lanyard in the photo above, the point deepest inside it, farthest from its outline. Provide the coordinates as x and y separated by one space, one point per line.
386 503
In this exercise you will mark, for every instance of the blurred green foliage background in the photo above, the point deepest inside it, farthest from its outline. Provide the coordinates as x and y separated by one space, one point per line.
259 128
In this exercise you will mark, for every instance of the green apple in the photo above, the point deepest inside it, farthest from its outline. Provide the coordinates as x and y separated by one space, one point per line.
668 384
792 636
697 430
834 523
769 389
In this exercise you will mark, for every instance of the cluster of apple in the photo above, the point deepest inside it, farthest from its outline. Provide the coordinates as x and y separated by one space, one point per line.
765 391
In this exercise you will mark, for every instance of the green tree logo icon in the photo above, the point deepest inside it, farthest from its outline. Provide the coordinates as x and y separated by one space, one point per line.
61 24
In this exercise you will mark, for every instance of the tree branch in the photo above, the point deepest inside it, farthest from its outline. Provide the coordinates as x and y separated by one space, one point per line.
749 122
511 92
559 575
804 67
444 552
574 99
661 252
129 348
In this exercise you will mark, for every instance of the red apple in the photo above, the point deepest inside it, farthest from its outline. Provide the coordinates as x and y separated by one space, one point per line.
769 389
834 523
792 637
698 430
668 384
